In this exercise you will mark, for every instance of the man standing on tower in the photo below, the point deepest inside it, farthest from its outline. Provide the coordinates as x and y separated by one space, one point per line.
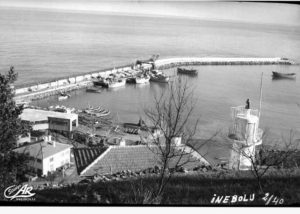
247 104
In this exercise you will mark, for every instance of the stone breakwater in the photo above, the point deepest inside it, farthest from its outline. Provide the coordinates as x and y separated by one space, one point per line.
53 87
185 61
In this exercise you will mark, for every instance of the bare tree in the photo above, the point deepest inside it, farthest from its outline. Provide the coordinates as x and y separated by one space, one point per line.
171 130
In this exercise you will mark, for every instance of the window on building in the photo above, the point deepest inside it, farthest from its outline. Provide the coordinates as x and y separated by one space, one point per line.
39 172
25 135
39 160
74 123
60 123
51 159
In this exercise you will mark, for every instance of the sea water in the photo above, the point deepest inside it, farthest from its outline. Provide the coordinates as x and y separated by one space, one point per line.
44 44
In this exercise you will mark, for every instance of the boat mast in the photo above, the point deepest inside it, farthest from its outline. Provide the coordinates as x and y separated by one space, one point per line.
260 96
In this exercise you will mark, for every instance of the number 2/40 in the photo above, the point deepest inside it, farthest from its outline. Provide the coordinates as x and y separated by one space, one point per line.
276 201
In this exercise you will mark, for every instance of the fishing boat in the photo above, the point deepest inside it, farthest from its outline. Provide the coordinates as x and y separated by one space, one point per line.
187 71
93 90
156 72
130 80
117 83
159 78
63 96
101 82
283 75
142 79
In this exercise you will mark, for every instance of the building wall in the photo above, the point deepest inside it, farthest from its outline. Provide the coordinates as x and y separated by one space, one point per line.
72 80
94 75
23 139
88 76
54 84
63 82
61 124
58 160
79 78
43 86
35 165
21 90
42 126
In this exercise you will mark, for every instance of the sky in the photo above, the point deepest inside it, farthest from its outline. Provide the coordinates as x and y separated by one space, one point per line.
286 14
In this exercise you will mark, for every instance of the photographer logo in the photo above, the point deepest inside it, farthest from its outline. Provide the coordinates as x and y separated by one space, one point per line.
19 192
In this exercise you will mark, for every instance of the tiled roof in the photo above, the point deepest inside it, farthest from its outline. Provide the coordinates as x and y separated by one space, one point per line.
134 158
214 151
42 149
85 156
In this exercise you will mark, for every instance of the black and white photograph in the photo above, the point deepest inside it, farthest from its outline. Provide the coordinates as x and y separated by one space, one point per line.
149 103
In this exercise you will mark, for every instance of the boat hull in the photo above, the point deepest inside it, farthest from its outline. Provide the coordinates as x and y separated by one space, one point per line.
117 84
187 71
93 90
142 80
160 79
283 75
60 98
131 80
101 83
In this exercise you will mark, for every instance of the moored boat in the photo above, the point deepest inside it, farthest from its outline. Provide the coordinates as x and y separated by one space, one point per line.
283 75
187 71
156 72
63 96
142 79
93 90
159 78
130 80
117 83
101 82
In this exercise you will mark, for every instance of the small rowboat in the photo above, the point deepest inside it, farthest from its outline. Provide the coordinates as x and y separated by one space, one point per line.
187 71
283 75
93 90
159 78
63 96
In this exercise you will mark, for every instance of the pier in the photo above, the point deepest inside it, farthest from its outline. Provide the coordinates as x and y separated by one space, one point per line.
83 80
186 61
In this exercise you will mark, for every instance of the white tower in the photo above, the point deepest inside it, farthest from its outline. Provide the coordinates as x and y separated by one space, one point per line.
245 135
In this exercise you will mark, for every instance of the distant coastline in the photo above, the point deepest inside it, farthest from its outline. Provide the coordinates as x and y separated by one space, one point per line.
238 23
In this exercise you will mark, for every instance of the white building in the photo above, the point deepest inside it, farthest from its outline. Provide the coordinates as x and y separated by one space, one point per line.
246 136
50 120
46 155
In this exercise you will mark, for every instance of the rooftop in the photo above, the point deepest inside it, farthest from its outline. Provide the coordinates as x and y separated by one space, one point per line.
42 115
85 156
42 149
215 151
135 158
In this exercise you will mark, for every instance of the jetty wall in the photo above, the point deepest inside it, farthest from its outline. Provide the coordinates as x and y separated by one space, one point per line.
55 86
65 84
174 62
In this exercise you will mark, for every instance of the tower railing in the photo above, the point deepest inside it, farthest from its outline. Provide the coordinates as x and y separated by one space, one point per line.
241 110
